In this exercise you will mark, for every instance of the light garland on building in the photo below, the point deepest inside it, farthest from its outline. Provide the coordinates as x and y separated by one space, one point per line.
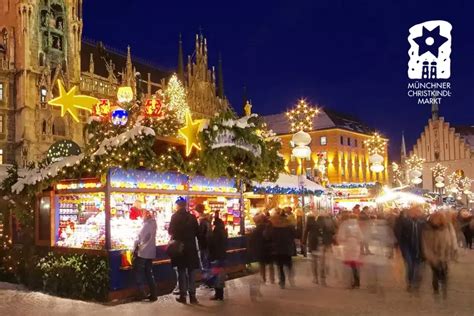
415 163
301 117
375 144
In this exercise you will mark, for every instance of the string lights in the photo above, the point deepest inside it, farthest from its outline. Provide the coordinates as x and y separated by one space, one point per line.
375 144
301 117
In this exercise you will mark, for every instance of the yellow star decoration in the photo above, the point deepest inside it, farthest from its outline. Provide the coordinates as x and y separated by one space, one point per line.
190 132
72 103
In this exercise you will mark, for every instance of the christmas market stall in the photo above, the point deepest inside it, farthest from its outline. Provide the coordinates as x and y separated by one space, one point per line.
77 210
348 195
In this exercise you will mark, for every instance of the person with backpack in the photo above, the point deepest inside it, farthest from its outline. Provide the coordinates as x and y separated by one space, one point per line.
184 230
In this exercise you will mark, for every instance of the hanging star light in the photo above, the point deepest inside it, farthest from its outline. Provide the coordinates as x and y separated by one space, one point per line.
72 103
415 163
190 132
301 117
375 144
439 170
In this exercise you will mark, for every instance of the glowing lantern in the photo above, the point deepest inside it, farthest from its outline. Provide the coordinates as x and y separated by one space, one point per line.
415 173
439 184
376 159
119 117
124 94
102 108
377 167
301 138
439 179
301 151
416 180
152 107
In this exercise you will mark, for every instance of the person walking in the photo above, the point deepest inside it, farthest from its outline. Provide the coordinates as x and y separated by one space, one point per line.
350 237
204 236
183 230
218 252
408 232
145 250
365 225
437 245
464 222
319 236
283 235
260 245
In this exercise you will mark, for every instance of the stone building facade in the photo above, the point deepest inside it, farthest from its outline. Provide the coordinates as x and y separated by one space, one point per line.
451 146
41 42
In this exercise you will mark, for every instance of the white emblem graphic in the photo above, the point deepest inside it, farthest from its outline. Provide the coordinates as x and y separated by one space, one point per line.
430 50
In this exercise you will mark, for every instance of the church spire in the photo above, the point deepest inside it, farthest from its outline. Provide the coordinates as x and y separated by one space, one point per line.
128 76
434 110
220 78
180 60
91 63
403 149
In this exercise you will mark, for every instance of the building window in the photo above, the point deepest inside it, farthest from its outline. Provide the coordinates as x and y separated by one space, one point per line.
324 140
1 156
1 91
342 140
293 171
2 123
308 173
348 141
59 127
355 142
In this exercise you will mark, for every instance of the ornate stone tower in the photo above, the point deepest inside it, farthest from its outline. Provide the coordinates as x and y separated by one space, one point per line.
43 45
203 97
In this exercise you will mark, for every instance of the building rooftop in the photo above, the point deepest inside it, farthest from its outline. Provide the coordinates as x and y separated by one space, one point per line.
325 119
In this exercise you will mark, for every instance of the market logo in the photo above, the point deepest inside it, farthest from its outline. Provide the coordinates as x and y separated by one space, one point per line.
429 64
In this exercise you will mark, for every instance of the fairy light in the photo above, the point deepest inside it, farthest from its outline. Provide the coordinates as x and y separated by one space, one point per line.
301 117
175 97
375 144
415 163
439 170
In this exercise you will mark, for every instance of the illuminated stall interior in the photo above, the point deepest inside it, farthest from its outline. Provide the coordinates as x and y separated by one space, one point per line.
84 210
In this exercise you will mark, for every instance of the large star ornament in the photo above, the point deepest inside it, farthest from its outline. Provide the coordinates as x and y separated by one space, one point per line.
72 103
430 41
190 132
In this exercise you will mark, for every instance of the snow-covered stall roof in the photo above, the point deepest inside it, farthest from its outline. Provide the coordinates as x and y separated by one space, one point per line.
289 184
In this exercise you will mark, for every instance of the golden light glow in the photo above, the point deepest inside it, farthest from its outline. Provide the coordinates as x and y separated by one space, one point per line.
439 170
301 117
415 163
72 103
190 132
124 94
375 144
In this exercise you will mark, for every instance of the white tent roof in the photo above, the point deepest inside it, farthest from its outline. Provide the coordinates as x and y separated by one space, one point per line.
291 182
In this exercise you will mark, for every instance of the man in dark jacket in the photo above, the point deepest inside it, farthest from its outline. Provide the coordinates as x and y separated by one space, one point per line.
319 236
283 233
184 229
408 230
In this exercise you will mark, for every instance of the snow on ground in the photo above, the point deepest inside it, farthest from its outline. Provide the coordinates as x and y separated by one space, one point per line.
246 296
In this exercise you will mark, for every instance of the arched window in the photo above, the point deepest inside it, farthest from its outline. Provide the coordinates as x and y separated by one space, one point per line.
59 127
43 127
43 95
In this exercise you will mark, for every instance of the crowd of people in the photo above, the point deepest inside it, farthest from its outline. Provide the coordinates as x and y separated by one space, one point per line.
362 237
355 238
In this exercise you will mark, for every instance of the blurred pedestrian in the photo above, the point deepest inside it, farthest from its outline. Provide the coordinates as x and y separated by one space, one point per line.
464 222
183 230
145 252
283 235
204 236
365 223
438 243
408 232
349 236
319 236
218 252
260 245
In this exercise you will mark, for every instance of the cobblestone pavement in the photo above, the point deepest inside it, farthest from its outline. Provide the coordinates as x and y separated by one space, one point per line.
245 296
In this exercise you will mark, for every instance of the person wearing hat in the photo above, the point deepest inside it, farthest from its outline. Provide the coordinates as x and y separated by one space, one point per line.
184 229
145 246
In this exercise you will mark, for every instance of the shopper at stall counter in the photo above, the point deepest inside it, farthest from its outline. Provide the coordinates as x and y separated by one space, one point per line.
204 236
184 228
145 249
218 252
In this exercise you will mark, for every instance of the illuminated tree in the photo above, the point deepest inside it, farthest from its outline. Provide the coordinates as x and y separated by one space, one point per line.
175 97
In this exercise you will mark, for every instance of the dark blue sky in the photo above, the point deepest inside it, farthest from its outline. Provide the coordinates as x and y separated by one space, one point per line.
349 56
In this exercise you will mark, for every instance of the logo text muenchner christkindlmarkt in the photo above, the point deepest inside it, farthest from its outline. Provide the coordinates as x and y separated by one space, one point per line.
430 61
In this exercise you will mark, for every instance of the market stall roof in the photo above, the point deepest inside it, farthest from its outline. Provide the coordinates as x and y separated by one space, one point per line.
289 184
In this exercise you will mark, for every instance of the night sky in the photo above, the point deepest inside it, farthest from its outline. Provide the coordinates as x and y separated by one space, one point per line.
350 56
